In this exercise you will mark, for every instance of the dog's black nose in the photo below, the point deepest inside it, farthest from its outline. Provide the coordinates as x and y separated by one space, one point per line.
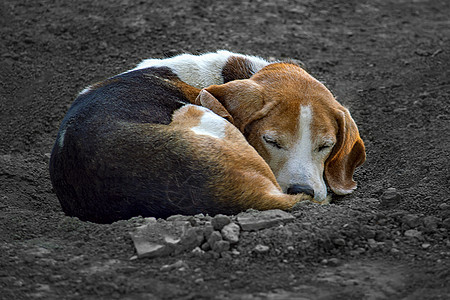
297 189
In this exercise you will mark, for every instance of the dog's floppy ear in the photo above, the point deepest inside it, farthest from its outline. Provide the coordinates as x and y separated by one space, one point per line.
242 99
207 100
348 153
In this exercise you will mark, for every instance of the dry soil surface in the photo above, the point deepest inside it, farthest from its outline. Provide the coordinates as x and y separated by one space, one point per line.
388 61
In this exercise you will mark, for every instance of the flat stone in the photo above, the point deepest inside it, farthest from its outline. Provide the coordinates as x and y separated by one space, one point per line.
412 233
230 232
261 248
257 220
161 238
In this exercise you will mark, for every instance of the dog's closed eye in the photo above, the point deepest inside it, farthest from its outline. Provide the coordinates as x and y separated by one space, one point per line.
325 147
272 141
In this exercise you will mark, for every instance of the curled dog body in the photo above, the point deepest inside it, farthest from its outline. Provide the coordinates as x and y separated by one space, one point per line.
135 145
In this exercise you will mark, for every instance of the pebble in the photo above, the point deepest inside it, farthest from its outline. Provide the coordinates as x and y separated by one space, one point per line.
426 245
219 221
380 236
333 262
411 220
430 222
412 233
180 264
390 198
221 246
197 251
230 232
214 238
444 206
207 230
261 248
339 242
446 223
368 232
395 251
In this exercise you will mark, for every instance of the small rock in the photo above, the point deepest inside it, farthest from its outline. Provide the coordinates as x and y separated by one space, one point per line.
207 230
257 220
395 251
444 206
235 252
380 236
214 238
368 232
334 262
191 238
426 245
446 223
390 198
199 281
339 242
221 246
372 243
177 265
430 222
197 251
411 220
219 221
412 233
205 246
261 248
230 232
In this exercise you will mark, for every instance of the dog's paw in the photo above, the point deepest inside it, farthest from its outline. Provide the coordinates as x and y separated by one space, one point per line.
307 201
323 202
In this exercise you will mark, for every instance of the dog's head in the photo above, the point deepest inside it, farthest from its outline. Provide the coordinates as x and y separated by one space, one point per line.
296 125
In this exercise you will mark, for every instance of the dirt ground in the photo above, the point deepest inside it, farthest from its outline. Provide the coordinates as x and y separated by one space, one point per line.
387 60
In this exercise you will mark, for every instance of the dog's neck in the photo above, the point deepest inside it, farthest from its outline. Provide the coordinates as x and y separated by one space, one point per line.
210 68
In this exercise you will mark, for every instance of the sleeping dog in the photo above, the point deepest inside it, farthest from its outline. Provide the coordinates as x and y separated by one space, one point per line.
135 145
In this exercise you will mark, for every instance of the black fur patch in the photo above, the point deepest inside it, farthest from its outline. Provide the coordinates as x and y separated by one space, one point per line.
116 159
237 68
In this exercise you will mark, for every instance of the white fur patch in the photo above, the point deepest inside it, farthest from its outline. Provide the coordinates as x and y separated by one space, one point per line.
304 166
203 70
211 125
84 91
343 191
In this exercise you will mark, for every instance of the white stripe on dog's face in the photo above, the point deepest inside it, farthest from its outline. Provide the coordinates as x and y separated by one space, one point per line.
210 125
303 161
